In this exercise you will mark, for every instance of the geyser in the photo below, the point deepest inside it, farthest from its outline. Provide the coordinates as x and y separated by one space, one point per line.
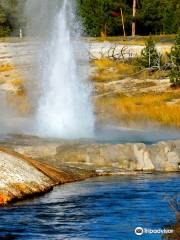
64 107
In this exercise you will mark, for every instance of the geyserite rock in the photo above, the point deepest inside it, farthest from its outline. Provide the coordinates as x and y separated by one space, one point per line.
21 176
162 156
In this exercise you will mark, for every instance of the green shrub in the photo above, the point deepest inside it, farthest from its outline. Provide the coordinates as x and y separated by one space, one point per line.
175 62
4 31
4 23
150 57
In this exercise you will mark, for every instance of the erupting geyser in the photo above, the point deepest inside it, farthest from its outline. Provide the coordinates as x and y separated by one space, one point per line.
64 108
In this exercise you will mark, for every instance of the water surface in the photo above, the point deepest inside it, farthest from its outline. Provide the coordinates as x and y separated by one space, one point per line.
98 208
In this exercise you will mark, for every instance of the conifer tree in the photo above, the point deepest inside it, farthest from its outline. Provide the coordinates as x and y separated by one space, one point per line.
175 62
149 58
4 24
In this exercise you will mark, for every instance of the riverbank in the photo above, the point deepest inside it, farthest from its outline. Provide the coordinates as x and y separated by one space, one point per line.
60 162
22 177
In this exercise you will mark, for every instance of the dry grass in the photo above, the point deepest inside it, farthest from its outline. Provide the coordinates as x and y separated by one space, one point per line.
19 99
145 74
103 63
109 70
163 108
105 77
145 84
145 107
6 67
17 82
19 102
125 69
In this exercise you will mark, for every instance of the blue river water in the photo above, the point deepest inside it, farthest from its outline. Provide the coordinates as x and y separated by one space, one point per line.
98 208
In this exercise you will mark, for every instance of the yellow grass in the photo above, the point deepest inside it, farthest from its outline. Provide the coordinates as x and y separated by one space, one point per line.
108 76
19 102
6 67
109 70
124 69
145 74
103 63
17 82
148 107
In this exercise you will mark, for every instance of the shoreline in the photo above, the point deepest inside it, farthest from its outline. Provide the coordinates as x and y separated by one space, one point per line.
23 177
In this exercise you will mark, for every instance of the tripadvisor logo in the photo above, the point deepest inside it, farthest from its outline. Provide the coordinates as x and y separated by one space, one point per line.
139 231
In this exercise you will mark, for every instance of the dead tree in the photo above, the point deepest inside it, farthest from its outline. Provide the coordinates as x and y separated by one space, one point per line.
114 52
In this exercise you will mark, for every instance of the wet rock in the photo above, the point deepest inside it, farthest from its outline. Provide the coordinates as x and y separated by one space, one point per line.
166 155
163 156
21 176
143 157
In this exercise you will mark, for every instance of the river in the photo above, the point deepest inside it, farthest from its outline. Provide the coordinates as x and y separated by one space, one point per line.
98 208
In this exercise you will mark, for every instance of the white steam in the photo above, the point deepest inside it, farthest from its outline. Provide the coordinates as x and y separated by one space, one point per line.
64 108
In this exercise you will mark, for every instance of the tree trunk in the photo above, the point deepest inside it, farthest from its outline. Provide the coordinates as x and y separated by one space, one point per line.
134 23
122 19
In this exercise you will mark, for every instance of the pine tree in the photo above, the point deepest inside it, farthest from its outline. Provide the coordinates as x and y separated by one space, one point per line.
169 18
175 62
149 58
4 24
97 16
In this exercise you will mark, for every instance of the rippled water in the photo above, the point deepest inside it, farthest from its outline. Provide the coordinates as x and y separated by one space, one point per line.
99 208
